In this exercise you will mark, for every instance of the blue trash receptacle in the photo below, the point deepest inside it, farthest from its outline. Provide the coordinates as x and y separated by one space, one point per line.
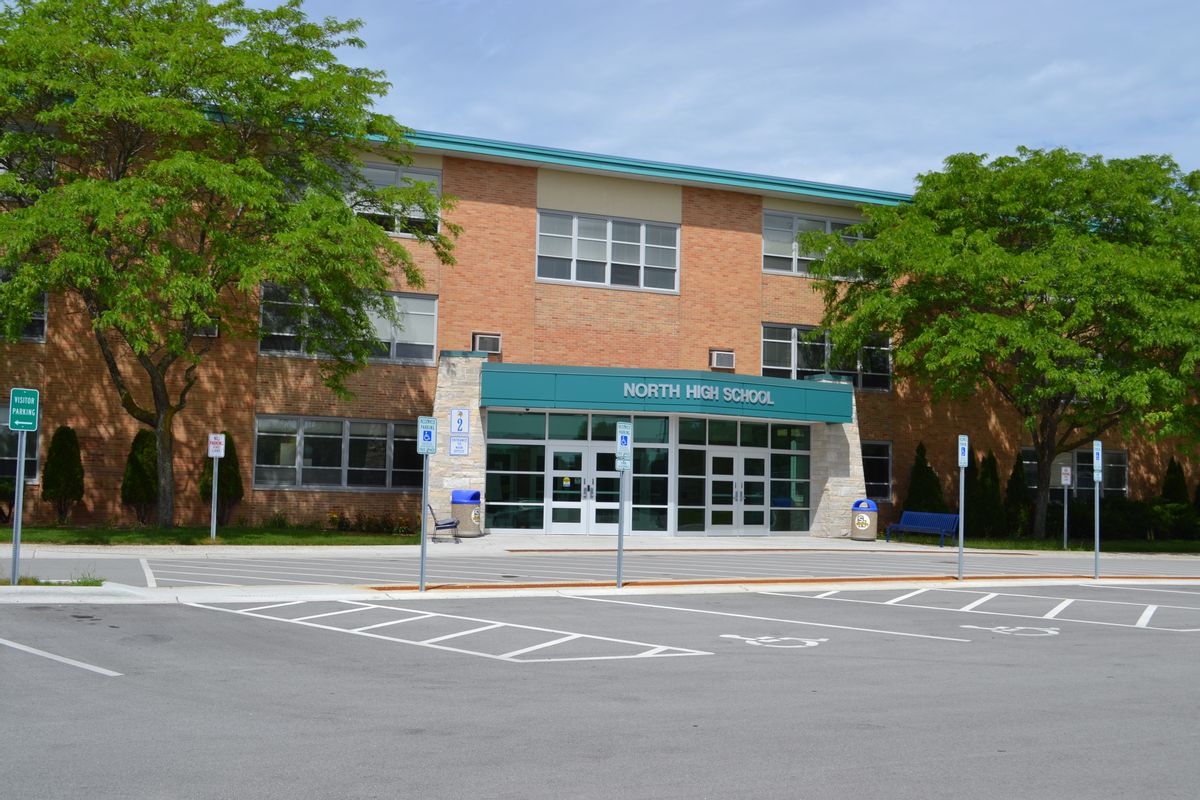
864 521
464 507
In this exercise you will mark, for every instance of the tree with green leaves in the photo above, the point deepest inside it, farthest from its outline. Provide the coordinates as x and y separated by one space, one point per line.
230 489
1065 284
924 486
164 159
139 489
62 475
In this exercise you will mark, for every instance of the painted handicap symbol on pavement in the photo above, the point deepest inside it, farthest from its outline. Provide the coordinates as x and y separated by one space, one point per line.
775 641
1015 631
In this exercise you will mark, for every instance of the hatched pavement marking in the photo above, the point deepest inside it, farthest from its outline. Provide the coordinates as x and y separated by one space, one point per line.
644 649
973 608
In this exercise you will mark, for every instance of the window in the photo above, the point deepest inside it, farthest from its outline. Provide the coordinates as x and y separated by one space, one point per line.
414 340
600 251
327 453
8 451
1114 481
789 352
877 470
413 220
781 251
35 328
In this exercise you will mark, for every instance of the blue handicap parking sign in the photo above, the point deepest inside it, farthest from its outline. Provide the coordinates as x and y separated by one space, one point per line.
427 435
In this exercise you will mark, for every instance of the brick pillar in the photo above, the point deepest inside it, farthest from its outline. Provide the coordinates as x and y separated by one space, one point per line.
837 476
458 384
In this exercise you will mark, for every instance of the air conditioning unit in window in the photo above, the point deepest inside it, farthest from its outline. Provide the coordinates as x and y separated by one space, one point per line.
721 359
486 343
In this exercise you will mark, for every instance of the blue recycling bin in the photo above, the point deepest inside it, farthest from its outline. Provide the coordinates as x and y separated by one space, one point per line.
464 507
864 521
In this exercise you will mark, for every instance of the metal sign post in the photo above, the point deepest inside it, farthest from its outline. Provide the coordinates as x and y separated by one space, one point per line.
426 446
23 407
963 450
624 462
1097 477
1066 482
216 451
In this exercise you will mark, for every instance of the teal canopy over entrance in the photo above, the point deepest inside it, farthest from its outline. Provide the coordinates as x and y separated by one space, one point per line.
664 391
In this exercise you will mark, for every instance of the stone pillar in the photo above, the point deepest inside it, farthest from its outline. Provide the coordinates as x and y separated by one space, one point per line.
837 476
458 386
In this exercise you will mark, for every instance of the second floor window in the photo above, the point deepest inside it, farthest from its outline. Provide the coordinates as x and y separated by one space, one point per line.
602 251
413 220
797 351
781 251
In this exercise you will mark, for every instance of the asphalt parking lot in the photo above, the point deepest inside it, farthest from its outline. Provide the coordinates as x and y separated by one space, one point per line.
1065 691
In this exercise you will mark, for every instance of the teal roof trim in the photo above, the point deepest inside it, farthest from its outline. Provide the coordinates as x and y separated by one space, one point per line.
651 169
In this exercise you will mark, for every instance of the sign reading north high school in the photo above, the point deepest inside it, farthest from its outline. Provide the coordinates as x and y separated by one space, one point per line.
700 391
23 409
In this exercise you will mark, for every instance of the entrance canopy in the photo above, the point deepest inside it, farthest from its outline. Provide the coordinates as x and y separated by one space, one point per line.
664 391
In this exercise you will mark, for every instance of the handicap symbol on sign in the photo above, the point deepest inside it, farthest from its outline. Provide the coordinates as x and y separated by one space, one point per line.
427 436
1015 630
775 641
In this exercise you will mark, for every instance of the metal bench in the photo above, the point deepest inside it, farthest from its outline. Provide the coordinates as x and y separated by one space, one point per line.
929 522
443 529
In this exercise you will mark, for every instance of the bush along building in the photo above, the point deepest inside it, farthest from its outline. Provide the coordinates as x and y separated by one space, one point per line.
588 290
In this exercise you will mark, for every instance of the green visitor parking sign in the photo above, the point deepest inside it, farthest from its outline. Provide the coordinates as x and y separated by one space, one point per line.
23 409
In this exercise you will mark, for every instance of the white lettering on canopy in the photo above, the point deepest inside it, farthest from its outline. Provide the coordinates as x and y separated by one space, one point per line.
699 391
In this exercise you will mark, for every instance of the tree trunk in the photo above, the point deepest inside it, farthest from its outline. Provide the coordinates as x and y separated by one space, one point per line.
164 433
1045 445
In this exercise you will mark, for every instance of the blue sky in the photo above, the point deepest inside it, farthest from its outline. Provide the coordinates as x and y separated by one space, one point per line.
860 92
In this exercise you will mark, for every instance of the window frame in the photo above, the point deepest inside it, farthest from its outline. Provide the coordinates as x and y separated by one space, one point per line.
825 345
391 358
890 477
402 173
32 451
643 244
1082 486
798 259
345 467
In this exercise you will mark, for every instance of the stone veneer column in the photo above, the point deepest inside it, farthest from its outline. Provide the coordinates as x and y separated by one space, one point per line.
837 476
458 386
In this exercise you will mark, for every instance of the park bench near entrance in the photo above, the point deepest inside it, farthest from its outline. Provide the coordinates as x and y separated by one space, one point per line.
940 525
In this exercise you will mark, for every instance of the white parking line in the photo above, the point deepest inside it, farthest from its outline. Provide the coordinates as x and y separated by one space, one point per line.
1138 589
331 614
980 601
1054 612
150 582
480 629
903 597
390 623
61 659
765 619
1144 619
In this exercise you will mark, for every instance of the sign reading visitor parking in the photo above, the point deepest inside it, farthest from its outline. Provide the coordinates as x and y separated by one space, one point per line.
624 440
962 451
460 421
216 445
23 409
426 435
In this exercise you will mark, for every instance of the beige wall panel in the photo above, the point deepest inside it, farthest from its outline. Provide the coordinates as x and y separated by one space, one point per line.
614 197
817 209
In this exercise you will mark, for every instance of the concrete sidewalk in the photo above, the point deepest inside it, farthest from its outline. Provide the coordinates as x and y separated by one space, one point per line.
491 545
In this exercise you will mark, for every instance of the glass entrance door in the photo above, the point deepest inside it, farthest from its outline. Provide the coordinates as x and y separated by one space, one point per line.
737 493
584 489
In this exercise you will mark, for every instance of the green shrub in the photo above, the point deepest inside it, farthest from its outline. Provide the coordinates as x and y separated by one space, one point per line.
276 522
1018 501
1168 520
1174 488
8 497
62 476
989 503
230 489
924 488
139 486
